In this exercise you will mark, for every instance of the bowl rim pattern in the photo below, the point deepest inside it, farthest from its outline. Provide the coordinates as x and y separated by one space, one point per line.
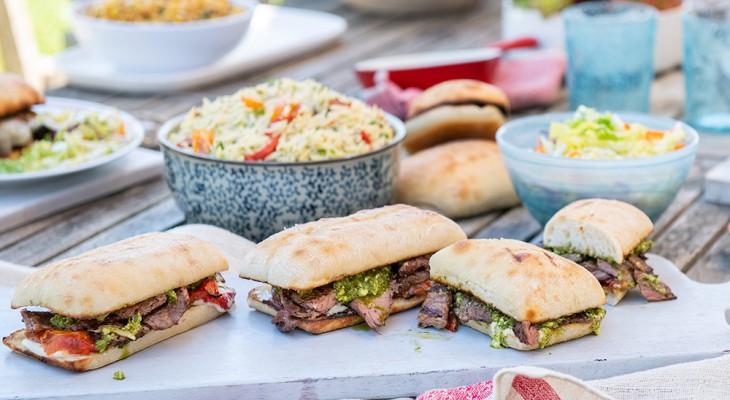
512 151
164 130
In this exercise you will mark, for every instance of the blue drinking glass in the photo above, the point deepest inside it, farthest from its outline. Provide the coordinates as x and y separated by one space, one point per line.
706 65
610 55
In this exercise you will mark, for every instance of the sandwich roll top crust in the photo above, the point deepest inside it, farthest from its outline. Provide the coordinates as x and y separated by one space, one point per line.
16 95
519 279
607 229
458 179
120 274
317 253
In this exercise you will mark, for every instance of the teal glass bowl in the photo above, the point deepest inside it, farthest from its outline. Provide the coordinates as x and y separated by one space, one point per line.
546 183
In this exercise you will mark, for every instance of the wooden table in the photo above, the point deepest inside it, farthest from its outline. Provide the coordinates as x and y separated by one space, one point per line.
692 233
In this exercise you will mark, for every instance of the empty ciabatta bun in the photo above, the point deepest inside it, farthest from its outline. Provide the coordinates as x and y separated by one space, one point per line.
16 95
607 229
458 179
519 279
317 253
455 109
119 274
565 333
322 325
195 316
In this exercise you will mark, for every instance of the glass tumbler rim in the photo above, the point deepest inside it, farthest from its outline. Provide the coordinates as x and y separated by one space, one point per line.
581 12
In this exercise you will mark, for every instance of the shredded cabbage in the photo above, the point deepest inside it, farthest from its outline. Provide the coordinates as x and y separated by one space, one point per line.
592 135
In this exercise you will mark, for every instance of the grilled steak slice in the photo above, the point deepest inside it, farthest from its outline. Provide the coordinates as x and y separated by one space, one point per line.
606 267
284 321
413 285
639 263
471 309
374 310
170 314
435 309
526 332
36 321
319 300
415 264
144 307
652 288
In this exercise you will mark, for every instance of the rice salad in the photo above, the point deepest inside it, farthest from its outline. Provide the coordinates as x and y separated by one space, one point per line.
283 120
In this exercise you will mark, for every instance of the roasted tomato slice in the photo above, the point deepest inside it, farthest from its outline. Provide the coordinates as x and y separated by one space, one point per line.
67 342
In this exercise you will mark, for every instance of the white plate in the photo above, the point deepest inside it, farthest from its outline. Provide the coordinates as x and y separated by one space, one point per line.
132 128
276 34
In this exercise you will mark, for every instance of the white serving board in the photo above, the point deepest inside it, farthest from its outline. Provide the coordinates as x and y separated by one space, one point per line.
717 183
243 356
22 202
276 34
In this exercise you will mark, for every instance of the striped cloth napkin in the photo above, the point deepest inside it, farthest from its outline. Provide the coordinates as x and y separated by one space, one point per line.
706 379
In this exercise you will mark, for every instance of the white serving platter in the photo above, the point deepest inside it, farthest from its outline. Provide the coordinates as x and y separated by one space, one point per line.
276 34
243 356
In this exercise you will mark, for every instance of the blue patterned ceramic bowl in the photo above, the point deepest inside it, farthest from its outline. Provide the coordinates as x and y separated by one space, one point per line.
546 183
257 199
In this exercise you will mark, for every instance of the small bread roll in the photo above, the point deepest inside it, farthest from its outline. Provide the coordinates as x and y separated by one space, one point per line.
455 109
457 179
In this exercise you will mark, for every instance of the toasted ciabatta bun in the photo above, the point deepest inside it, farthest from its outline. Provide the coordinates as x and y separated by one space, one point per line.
195 316
317 253
16 95
257 296
615 295
458 179
607 229
114 276
455 109
519 279
565 333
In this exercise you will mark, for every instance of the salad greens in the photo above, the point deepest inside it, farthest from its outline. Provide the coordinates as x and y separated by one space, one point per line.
67 138
593 135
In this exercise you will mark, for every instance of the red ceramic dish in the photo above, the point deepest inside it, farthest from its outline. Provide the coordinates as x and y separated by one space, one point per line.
423 70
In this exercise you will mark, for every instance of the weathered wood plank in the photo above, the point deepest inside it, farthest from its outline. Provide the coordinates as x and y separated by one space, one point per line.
159 217
516 223
714 265
87 222
692 233
471 226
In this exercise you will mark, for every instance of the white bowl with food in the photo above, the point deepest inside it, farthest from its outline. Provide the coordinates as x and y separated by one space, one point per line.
278 154
161 36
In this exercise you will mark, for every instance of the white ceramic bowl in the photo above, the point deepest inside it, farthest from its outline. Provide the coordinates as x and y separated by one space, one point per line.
160 46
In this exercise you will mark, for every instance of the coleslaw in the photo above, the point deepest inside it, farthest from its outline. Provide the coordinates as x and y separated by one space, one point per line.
593 135
283 120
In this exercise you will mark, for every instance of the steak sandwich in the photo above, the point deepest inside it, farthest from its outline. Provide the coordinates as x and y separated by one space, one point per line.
523 296
17 124
609 239
336 272
114 301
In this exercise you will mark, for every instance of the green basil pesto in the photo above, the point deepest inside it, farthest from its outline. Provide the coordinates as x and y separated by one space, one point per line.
548 329
654 282
62 321
500 320
562 251
119 375
365 284
171 297
643 247
112 332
